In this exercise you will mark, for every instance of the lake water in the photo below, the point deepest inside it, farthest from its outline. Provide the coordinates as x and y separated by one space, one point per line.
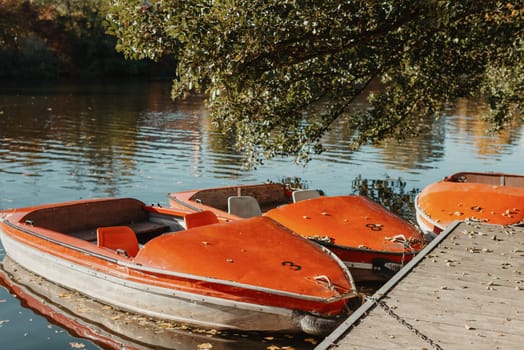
65 141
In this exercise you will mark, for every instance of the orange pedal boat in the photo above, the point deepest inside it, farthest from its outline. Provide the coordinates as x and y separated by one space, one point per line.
249 275
373 242
493 198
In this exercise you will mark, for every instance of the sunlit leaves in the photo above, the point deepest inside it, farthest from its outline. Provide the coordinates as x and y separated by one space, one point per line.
278 73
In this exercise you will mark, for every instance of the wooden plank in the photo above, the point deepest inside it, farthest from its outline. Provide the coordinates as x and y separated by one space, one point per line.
467 308
484 289
382 334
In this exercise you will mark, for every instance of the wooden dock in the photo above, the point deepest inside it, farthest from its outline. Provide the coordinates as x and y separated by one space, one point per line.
465 290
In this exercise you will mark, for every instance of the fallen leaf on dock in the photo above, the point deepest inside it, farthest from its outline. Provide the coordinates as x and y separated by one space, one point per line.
165 325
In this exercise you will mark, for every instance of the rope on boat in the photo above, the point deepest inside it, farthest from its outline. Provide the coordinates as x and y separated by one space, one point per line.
326 280
320 239
406 243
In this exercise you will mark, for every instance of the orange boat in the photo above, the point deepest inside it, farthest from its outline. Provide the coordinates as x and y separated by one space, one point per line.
249 275
494 198
373 242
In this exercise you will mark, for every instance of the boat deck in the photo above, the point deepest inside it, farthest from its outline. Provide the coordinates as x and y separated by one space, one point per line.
465 290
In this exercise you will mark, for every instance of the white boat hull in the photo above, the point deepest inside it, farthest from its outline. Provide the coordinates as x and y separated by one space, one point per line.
156 302
425 223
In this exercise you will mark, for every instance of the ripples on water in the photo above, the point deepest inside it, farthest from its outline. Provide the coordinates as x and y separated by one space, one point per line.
68 141
112 138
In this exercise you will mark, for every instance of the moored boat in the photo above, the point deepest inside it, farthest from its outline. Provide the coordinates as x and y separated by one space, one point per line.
250 275
494 198
373 242
234 202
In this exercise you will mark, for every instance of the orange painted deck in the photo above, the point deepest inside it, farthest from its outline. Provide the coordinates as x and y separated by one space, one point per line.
465 290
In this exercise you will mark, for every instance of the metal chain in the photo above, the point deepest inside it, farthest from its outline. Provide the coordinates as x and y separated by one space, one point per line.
403 322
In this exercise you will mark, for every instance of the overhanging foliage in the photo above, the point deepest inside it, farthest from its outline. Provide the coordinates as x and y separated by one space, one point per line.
278 73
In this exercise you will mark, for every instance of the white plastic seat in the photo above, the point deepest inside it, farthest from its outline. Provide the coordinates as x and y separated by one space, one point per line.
301 195
243 206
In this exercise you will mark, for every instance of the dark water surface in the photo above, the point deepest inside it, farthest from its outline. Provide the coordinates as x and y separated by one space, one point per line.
66 141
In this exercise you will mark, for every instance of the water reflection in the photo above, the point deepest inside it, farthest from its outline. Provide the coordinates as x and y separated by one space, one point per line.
390 193
100 137
470 128
462 124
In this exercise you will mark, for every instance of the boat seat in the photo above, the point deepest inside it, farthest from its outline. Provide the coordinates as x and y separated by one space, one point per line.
122 239
200 218
301 195
243 206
